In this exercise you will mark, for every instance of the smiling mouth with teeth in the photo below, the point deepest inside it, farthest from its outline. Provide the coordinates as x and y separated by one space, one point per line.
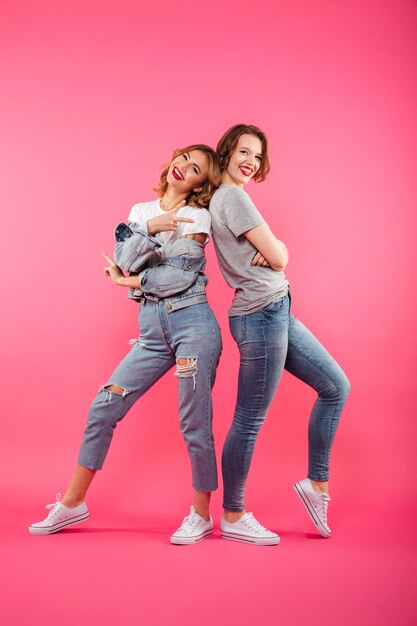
177 174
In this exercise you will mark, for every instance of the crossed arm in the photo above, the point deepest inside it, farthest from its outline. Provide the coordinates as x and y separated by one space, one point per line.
270 251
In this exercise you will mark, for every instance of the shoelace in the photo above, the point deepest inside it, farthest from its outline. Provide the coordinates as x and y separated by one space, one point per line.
252 523
55 508
191 521
324 501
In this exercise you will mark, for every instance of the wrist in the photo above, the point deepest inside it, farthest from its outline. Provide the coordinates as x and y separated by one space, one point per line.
151 231
129 281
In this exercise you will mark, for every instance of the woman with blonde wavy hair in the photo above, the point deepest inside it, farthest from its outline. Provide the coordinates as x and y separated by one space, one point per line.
162 250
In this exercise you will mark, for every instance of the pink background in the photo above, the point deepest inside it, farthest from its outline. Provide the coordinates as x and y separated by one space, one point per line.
96 95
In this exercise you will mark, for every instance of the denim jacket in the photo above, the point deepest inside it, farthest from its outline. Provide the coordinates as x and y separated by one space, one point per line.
172 272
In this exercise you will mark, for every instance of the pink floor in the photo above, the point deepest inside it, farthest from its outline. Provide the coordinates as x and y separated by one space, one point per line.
119 568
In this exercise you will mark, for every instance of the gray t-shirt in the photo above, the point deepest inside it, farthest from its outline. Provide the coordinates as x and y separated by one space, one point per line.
232 214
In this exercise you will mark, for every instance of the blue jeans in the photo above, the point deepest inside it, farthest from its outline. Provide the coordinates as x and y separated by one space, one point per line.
192 334
269 341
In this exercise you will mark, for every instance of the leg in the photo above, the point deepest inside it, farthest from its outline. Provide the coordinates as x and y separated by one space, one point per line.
78 487
138 371
148 360
197 344
202 503
262 341
308 360
311 363
134 375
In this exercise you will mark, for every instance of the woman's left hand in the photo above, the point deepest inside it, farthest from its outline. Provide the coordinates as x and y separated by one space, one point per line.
258 259
113 270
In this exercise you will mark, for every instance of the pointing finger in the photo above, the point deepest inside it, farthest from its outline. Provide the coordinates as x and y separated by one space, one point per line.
108 258
183 219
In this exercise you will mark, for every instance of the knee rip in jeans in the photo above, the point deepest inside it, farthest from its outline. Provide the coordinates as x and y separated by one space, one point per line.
113 390
187 368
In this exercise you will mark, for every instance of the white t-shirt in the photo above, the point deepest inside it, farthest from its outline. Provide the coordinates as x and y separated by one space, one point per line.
144 211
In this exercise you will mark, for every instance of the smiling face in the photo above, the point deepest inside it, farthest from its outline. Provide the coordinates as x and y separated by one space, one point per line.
244 162
188 171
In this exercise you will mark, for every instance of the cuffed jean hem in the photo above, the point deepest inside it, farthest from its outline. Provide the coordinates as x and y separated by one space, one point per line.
95 467
318 478
88 466
233 508
205 488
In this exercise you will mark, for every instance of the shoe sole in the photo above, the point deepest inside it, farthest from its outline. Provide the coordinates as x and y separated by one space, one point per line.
259 541
310 510
34 530
186 541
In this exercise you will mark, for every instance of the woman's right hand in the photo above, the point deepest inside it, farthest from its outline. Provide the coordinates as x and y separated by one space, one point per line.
167 221
112 271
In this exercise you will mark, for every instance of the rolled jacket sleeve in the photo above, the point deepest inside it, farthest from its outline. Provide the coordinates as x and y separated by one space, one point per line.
176 272
134 246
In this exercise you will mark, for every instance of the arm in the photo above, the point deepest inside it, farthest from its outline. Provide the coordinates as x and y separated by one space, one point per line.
183 261
134 247
179 270
172 275
200 237
114 272
273 250
242 217
136 244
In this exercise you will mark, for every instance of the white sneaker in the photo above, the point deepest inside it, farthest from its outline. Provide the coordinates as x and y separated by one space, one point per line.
59 517
193 528
248 529
316 505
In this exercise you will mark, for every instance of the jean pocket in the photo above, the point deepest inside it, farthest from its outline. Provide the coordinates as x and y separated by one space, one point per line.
237 325
275 308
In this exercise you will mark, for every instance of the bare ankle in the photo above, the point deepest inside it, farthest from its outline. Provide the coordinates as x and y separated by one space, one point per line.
71 502
202 504
320 486
204 513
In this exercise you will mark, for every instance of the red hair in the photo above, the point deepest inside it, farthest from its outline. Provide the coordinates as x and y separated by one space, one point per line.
227 145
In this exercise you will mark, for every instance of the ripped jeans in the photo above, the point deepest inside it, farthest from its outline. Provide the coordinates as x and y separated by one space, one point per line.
189 338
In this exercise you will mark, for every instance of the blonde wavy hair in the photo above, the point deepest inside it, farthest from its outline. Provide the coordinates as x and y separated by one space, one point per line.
199 199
